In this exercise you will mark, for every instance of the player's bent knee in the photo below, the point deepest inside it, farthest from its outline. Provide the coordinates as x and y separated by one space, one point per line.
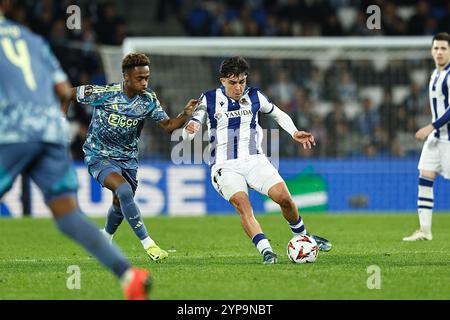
124 193
287 203
283 199
240 201
238 204
62 205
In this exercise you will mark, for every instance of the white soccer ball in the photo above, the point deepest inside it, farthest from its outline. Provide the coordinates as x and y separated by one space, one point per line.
302 249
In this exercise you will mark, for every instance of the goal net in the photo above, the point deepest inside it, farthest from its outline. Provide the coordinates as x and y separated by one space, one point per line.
308 78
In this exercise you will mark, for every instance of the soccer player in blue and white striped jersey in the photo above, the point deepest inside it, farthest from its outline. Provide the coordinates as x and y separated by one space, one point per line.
232 114
435 157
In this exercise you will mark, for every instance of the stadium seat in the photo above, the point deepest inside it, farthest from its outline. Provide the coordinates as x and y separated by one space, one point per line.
399 93
374 93
347 17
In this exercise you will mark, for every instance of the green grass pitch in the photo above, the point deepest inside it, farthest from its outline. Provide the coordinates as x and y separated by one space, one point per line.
215 260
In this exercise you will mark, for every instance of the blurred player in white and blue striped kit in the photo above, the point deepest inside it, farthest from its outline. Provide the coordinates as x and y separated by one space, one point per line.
435 157
232 114
34 138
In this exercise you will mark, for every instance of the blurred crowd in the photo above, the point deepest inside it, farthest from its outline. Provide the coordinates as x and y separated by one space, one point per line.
350 124
75 49
313 18
351 113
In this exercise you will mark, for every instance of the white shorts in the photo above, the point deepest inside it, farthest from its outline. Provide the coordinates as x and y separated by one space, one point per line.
435 157
237 175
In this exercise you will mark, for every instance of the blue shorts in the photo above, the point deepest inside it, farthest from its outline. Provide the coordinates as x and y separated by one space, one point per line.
49 166
99 168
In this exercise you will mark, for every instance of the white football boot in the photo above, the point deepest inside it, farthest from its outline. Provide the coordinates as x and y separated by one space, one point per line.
419 235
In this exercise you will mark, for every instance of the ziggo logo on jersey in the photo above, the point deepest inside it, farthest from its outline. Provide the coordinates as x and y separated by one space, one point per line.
116 120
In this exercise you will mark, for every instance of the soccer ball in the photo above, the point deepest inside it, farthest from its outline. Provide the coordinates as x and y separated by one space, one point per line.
302 249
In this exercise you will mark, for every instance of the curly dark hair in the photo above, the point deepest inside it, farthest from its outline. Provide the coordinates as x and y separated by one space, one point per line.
233 67
134 60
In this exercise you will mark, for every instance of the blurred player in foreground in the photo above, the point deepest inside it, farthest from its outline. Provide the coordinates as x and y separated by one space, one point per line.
111 147
238 162
34 138
435 157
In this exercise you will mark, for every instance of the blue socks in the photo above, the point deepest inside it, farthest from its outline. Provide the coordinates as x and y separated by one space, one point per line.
76 226
130 210
298 228
113 219
261 243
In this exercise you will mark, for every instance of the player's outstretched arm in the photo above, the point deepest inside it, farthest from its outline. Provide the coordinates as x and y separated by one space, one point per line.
283 119
169 125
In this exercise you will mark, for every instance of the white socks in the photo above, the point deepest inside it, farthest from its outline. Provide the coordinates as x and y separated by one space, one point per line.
147 242
425 203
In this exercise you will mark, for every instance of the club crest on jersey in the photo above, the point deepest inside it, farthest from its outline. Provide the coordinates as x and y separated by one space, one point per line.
217 115
243 101
88 90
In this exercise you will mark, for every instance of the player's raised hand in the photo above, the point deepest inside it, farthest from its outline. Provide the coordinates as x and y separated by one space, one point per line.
305 138
190 107
424 132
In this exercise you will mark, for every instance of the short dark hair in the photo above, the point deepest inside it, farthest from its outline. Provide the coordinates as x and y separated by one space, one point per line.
442 36
134 60
233 67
